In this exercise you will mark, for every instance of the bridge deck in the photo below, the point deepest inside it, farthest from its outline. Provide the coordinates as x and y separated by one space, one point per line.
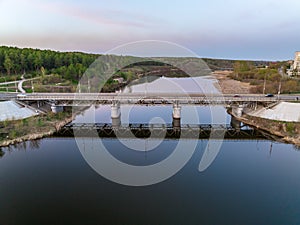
141 98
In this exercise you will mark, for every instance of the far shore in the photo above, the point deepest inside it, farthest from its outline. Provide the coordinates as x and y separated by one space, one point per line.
230 86
285 131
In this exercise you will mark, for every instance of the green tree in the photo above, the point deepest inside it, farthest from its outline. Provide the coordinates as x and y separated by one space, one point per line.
37 61
23 62
7 64
43 71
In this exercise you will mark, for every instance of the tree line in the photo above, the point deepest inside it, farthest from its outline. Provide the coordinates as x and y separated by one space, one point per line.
266 79
16 61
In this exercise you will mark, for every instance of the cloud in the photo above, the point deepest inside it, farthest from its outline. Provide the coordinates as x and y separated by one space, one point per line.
99 16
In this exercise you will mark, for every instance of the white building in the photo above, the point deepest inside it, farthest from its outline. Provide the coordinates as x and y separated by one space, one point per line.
295 67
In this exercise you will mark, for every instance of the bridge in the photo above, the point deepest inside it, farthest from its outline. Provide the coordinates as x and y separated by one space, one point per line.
59 101
202 131
147 98
67 99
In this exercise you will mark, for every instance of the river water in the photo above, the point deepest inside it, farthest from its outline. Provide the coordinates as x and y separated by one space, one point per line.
50 181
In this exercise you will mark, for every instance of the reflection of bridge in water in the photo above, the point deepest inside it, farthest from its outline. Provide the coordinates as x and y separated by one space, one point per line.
201 131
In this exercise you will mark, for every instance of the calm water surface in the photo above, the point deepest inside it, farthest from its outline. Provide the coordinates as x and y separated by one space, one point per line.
250 182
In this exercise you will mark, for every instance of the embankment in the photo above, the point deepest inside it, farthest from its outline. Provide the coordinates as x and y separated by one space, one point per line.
13 132
288 132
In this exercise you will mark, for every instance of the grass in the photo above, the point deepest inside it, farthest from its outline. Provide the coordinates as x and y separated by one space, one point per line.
43 123
290 127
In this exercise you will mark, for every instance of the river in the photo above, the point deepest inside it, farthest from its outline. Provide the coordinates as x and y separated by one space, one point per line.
51 181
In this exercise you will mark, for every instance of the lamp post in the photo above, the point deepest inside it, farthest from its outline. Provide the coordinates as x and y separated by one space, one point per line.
16 85
32 87
279 89
264 89
6 84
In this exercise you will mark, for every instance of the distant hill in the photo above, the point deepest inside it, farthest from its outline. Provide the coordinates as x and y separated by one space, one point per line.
72 65
228 64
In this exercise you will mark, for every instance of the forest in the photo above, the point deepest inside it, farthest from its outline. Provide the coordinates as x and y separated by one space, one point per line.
70 65
17 61
66 69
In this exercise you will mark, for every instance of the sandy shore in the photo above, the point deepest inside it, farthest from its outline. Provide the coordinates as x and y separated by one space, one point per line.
230 86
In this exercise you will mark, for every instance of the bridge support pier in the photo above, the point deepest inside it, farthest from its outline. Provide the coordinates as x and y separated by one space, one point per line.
176 115
115 109
116 113
116 122
238 110
235 123
56 108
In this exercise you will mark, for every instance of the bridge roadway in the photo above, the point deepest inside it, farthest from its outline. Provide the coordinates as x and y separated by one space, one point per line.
159 131
68 99
150 98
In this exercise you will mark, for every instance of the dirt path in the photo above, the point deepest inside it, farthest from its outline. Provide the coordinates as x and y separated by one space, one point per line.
230 86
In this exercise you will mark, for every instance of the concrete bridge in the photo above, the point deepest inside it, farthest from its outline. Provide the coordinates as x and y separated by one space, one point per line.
58 101
146 98
68 99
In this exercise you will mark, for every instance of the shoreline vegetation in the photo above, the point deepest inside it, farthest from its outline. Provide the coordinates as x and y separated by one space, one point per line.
17 131
268 79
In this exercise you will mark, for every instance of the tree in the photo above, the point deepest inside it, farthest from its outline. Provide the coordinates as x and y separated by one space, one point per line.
37 61
7 64
16 60
23 62
43 72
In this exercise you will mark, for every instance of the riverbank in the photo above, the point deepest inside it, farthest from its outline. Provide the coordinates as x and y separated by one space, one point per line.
229 85
288 132
13 132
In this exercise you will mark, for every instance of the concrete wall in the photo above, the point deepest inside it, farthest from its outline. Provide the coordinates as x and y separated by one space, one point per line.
284 111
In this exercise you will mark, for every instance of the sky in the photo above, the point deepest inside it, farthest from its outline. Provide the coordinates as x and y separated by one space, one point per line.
233 29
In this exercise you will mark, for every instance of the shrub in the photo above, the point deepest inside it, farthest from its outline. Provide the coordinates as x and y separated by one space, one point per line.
40 122
290 127
25 122
13 134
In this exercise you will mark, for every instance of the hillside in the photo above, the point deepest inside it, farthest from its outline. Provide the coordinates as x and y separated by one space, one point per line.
61 71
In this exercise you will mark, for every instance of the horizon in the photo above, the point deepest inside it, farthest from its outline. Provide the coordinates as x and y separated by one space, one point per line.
200 57
258 30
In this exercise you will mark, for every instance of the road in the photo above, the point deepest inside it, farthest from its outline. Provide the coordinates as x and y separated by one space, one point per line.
10 82
155 98
19 82
7 96
145 96
20 86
